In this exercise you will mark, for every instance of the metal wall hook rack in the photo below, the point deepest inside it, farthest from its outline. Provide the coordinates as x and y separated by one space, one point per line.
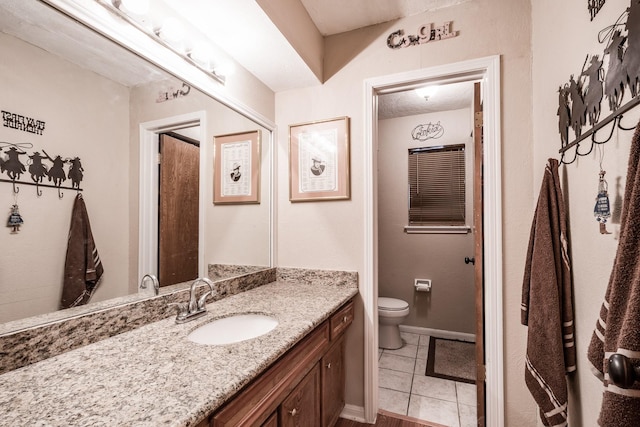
615 118
39 167
39 186
580 99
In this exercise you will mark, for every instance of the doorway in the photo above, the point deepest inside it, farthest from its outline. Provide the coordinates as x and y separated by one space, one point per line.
486 71
178 207
149 211
426 247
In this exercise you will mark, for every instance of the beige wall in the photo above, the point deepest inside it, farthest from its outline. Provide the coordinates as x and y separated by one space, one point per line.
335 239
563 35
234 234
86 116
404 257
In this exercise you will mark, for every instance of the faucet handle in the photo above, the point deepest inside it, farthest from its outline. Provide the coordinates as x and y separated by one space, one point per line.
182 309
203 300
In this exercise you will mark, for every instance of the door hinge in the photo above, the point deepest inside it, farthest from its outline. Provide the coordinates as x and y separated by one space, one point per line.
478 119
159 158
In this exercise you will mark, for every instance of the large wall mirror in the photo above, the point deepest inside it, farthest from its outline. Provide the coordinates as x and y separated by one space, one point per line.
114 111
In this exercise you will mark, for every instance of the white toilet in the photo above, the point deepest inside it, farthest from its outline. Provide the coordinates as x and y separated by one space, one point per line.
391 313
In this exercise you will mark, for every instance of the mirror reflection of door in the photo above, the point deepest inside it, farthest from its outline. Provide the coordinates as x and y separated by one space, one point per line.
179 169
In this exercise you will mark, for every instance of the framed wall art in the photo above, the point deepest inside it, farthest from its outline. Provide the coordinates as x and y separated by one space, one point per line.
237 168
319 160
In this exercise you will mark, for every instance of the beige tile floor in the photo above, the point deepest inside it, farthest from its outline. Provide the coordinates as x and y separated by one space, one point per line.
405 389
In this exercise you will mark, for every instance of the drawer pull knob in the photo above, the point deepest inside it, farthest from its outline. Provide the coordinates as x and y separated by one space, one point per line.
344 319
329 365
293 412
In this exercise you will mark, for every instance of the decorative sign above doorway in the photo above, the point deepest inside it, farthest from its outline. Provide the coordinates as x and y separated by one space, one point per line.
173 93
426 33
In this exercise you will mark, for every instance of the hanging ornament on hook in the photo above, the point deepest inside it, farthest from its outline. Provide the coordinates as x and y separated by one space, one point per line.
602 210
15 219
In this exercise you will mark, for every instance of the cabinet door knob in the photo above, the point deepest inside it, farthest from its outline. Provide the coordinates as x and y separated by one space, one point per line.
293 412
329 365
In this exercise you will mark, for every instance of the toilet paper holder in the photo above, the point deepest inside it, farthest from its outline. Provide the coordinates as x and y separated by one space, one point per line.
422 285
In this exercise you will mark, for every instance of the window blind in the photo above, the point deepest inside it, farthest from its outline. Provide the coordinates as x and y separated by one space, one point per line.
437 185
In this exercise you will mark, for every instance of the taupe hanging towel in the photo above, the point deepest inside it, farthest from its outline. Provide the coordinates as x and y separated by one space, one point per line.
547 307
82 268
618 327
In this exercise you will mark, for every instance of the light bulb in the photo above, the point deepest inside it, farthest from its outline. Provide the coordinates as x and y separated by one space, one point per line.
134 7
202 54
172 30
224 69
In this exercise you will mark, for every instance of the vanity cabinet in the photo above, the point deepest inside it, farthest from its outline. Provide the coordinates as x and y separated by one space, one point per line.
304 388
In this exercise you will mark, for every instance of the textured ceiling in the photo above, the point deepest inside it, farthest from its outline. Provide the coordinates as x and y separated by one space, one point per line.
453 96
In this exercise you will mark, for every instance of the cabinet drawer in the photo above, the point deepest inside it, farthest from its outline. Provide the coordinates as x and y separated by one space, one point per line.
341 320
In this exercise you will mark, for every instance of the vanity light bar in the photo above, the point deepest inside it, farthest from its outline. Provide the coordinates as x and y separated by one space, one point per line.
118 8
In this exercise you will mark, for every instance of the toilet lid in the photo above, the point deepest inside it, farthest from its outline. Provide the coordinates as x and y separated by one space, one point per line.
392 303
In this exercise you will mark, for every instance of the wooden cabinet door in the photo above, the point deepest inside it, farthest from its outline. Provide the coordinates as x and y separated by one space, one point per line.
272 421
333 377
302 407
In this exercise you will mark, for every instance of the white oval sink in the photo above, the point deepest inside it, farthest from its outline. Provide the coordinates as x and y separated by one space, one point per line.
232 329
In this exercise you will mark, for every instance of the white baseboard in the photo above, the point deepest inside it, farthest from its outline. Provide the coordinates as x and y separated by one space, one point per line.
354 413
438 333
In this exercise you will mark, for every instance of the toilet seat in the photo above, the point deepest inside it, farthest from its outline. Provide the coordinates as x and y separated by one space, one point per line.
392 304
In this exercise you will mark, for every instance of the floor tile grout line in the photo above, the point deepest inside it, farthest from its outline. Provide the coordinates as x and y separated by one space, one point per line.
457 402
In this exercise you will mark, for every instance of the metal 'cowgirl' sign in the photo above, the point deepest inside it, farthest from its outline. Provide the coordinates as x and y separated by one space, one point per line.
426 33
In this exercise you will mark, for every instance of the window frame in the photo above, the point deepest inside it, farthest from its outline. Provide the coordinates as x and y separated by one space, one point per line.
440 227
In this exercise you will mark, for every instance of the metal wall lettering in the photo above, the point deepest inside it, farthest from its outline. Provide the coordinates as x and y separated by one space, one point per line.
427 131
23 123
426 33
173 93
594 7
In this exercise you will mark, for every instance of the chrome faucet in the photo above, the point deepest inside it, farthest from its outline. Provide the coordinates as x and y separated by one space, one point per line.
196 306
154 280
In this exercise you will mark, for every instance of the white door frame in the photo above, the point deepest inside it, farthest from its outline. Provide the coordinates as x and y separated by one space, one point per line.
487 70
148 188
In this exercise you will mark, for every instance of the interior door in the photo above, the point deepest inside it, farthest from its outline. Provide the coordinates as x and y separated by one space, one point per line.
478 252
178 209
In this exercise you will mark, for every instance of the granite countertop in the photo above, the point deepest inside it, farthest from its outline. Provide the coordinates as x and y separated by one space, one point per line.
154 375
